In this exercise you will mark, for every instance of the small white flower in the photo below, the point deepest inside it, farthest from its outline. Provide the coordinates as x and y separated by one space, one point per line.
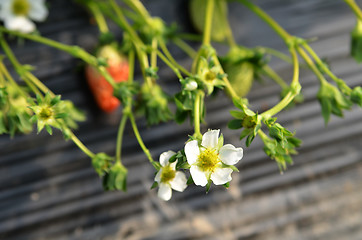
16 14
208 161
168 177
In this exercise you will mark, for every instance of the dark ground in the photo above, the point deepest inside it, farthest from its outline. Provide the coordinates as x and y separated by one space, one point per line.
48 189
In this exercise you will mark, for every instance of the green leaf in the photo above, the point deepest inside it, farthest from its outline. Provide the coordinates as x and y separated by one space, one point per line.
235 124
180 116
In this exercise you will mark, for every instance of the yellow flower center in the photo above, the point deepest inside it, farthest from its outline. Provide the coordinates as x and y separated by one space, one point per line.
45 113
20 7
208 160
167 174
210 76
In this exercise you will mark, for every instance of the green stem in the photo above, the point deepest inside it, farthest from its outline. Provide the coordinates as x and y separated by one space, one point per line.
295 89
23 73
273 75
131 63
229 88
72 50
229 33
272 23
154 53
98 16
197 106
170 65
184 47
311 65
139 138
355 8
320 63
275 53
81 146
119 137
208 21
7 76
122 22
171 59
138 7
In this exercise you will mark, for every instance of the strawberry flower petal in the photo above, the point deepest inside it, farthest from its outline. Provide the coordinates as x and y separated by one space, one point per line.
221 176
230 155
210 139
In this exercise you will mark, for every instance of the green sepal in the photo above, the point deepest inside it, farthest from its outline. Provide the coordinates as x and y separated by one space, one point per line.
49 129
356 96
154 185
101 163
190 180
208 185
231 167
116 178
235 124
156 165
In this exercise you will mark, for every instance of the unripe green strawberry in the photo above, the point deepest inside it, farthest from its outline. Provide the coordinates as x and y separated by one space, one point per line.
241 76
117 67
197 14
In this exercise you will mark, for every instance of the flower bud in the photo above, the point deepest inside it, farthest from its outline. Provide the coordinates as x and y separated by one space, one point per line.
356 42
191 85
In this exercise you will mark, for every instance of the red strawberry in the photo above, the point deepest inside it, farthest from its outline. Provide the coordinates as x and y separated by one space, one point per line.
103 91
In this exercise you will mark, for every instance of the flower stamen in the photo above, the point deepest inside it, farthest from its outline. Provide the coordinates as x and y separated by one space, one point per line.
20 7
167 174
207 160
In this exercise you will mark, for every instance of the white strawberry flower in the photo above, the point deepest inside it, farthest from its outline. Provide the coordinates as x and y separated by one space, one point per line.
168 178
16 14
211 161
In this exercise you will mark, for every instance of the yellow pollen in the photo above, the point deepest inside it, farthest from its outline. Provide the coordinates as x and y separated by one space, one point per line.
167 174
208 160
21 7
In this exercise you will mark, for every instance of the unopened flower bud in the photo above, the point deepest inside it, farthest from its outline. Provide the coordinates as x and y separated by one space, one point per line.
190 86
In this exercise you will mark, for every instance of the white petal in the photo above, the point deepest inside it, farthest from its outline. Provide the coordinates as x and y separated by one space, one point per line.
179 182
165 156
210 139
230 155
192 151
165 192
221 176
20 23
158 176
198 176
38 10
